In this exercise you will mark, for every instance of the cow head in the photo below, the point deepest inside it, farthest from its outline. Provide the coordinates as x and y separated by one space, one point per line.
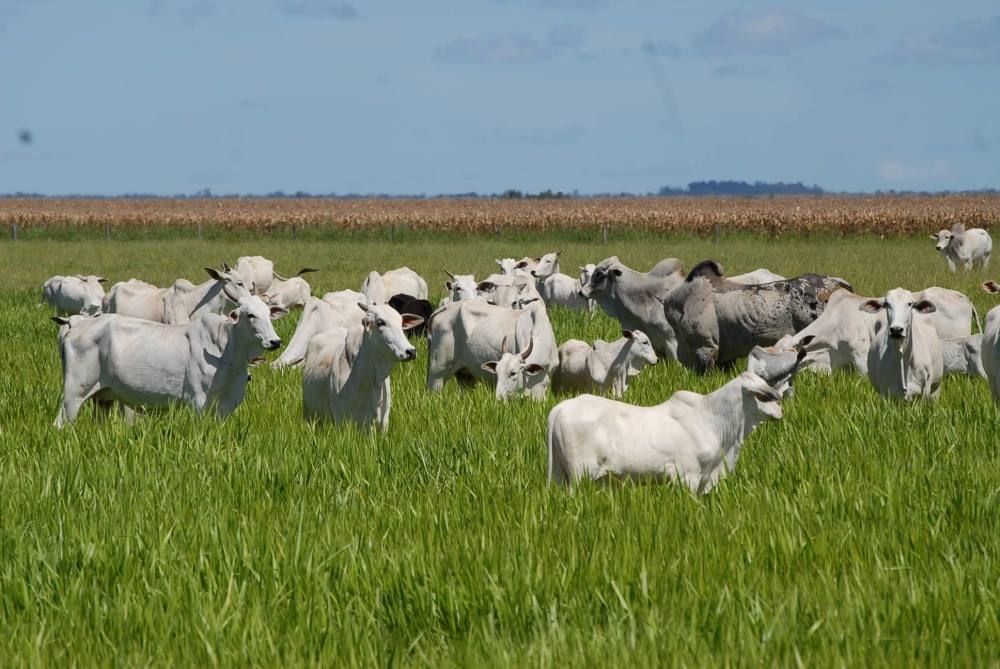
233 283
506 265
515 375
385 327
93 294
991 287
602 278
547 265
462 286
761 402
899 305
779 364
640 349
942 239
252 314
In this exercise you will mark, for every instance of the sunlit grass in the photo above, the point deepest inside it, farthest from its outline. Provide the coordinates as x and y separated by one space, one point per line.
855 532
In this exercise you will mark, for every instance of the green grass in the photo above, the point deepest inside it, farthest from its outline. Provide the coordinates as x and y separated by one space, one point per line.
855 532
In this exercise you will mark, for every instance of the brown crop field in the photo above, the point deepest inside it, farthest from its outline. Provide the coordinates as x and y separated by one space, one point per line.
883 215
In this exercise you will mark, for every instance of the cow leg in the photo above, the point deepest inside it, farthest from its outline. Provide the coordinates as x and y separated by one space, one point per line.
127 413
986 261
951 265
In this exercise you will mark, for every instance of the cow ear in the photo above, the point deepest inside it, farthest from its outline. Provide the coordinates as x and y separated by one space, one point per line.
871 306
924 307
934 236
627 334
278 312
490 367
362 306
485 285
411 321
805 341
534 368
234 315
447 284
616 272
991 287
60 320
101 279
214 273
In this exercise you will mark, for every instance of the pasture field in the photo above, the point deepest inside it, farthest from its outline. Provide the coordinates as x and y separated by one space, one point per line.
855 532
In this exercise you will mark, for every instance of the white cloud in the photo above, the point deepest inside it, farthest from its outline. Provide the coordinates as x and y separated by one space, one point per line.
965 43
762 33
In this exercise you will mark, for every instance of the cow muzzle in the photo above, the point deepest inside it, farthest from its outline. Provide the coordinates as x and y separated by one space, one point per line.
410 354
896 332
272 344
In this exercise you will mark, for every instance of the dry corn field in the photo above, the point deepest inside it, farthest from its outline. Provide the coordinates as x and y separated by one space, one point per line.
884 215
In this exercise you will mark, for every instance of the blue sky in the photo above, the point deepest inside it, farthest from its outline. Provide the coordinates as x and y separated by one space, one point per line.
421 96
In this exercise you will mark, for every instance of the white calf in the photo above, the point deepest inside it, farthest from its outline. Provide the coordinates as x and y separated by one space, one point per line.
905 359
290 292
341 389
964 246
75 294
603 368
687 438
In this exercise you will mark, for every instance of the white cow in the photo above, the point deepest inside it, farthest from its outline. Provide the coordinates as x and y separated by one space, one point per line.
257 271
842 335
461 287
756 277
180 303
963 355
603 368
138 363
991 344
905 360
511 267
505 291
564 290
76 294
338 309
515 375
964 246
289 292
355 387
378 288
688 438
467 334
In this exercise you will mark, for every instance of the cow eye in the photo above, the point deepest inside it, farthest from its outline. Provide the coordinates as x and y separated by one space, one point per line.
252 317
380 323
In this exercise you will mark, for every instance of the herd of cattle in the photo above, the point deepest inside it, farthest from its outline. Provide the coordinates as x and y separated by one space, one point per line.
142 346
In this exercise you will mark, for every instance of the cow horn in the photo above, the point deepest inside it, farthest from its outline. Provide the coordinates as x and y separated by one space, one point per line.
278 276
225 266
306 270
230 294
503 345
452 276
527 351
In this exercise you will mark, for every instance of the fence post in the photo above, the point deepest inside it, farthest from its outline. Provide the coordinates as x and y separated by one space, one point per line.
295 230
13 232
718 232
604 228
107 232
199 229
